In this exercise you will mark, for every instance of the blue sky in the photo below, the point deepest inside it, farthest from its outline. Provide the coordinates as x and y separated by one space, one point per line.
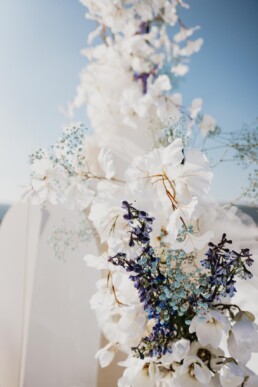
40 61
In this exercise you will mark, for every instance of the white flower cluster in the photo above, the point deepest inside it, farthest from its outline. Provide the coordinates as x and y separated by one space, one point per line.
129 81
138 155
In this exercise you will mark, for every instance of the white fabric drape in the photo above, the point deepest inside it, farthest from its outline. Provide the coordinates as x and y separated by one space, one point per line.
18 250
48 334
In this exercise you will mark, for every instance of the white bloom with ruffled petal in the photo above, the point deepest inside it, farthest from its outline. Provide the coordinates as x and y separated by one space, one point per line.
193 242
106 354
192 373
243 339
209 355
136 373
183 211
178 351
209 327
78 195
48 182
231 375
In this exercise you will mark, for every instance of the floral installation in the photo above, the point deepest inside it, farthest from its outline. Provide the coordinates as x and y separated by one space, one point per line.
171 257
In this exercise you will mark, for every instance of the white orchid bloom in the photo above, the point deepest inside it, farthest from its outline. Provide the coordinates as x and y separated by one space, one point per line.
149 168
192 373
243 339
193 178
145 372
209 328
251 379
183 211
179 350
210 356
47 182
106 354
136 373
103 299
78 195
133 319
98 262
231 375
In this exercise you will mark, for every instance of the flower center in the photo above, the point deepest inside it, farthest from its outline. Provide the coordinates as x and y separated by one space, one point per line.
191 370
204 354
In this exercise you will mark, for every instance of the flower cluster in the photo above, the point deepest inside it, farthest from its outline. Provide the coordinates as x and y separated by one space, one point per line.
163 288
165 296
162 298
147 47
69 172
182 308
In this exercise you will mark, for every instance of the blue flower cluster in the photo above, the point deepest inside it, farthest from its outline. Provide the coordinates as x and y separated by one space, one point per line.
167 295
170 286
224 266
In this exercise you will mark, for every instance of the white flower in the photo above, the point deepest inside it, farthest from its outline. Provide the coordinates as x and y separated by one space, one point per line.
209 327
98 262
195 107
106 354
194 177
191 47
98 158
231 375
106 162
192 373
47 182
106 212
251 379
208 124
148 168
184 33
133 319
210 356
179 350
103 299
145 372
183 211
180 69
193 242
78 195
243 339
136 374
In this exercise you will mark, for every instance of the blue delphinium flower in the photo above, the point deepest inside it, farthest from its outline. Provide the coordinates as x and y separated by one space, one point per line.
224 265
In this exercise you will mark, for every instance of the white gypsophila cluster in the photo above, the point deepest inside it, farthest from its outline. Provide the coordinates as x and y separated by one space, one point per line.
165 297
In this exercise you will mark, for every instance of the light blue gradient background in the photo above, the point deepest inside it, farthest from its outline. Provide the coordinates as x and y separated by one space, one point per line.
40 61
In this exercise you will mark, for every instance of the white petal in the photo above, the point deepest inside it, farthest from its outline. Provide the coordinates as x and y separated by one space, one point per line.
202 374
107 163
